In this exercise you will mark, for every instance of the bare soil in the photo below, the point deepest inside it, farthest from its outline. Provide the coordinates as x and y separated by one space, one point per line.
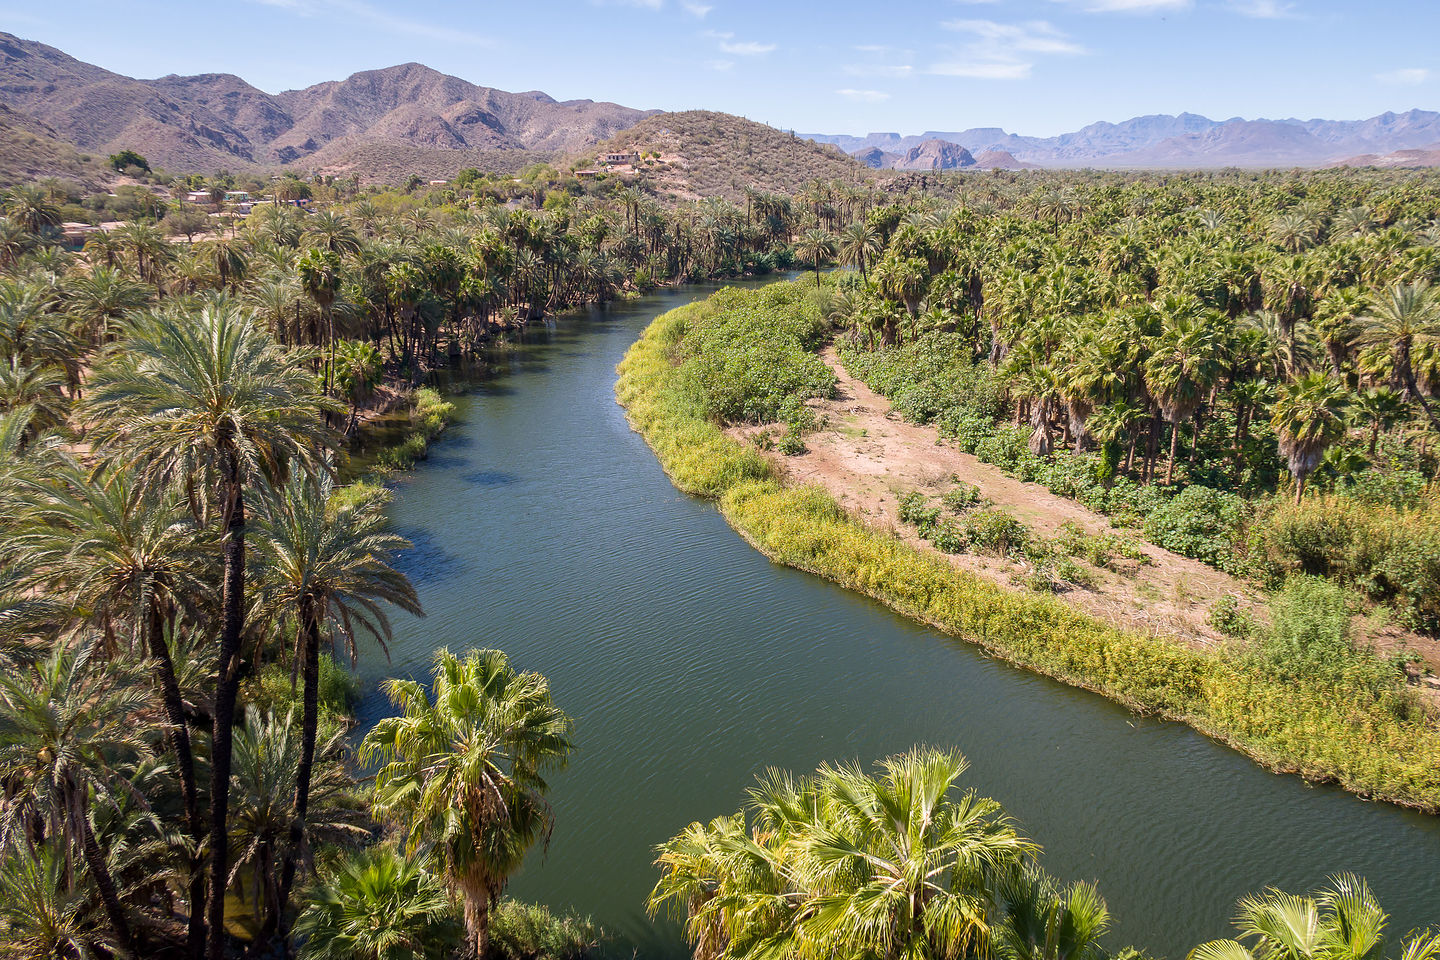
867 457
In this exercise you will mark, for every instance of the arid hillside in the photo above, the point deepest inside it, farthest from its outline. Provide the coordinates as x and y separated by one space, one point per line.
703 153
218 120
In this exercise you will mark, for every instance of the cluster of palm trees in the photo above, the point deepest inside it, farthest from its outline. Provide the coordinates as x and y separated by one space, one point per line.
898 863
1117 310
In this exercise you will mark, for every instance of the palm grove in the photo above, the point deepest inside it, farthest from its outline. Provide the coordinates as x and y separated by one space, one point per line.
178 557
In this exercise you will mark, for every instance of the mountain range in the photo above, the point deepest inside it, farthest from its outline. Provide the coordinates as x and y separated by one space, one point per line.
55 109
218 120
1162 141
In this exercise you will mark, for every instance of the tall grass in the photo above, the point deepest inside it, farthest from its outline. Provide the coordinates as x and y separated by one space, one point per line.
1322 729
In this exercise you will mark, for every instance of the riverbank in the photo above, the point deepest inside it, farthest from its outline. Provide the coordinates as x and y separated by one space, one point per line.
1322 732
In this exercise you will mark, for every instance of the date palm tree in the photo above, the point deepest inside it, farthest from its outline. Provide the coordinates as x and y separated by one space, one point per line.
99 300
42 916
466 771
859 243
326 567
816 246
1309 415
207 403
1381 407
65 725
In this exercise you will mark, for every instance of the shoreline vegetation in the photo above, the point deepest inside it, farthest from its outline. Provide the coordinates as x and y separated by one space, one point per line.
1379 745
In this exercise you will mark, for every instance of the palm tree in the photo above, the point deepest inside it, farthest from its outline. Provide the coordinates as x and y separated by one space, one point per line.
1040 921
97 301
319 274
1343 921
325 566
1406 314
845 863
44 917
209 404
379 905
1183 365
816 246
467 771
65 725
1309 415
29 206
1381 407
268 755
858 245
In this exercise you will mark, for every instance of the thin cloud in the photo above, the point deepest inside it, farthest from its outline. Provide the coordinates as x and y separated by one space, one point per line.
878 69
739 48
719 66
359 10
697 10
864 96
1266 9
1002 51
1405 76
1128 6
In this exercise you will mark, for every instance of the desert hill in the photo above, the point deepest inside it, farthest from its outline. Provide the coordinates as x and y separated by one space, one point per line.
219 120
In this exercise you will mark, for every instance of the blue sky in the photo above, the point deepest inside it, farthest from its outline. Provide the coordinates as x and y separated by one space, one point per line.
1036 67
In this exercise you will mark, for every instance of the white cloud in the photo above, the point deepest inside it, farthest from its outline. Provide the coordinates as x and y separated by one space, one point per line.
1129 6
1265 9
1405 76
698 10
739 48
1002 51
878 69
864 96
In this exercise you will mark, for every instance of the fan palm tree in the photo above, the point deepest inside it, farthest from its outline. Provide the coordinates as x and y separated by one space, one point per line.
64 727
379 905
319 274
467 771
208 403
29 206
846 864
1183 365
326 567
1381 407
1406 314
1039 921
1309 415
1343 921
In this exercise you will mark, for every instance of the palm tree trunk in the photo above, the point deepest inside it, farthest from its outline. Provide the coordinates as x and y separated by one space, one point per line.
1174 439
227 686
179 735
100 873
309 722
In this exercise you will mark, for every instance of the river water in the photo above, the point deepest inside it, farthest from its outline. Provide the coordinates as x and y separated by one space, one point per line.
543 526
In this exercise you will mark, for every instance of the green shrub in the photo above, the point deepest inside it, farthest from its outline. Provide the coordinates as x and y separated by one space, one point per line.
524 931
1205 524
791 444
997 532
963 497
1229 619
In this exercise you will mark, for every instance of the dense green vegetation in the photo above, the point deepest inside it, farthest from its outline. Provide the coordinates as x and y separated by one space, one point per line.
1246 368
1354 721
177 561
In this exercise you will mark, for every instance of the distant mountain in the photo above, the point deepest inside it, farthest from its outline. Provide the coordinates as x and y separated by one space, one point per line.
1186 140
219 120
30 150
1428 157
935 154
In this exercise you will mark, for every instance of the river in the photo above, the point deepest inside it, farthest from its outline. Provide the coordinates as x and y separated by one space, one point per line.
543 526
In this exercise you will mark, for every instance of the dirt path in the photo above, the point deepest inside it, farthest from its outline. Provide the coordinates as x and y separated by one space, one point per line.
867 458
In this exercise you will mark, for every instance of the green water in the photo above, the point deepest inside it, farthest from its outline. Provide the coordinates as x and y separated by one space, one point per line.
543 526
